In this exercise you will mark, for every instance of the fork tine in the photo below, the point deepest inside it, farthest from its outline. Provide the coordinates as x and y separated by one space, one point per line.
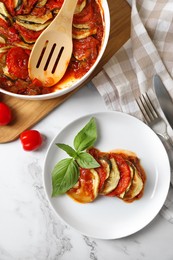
141 108
147 108
151 106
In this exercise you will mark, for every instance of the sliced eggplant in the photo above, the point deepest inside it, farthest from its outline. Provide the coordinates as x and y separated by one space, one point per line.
80 7
32 19
4 14
17 4
82 25
83 33
136 186
113 179
26 40
107 166
103 171
33 27
41 3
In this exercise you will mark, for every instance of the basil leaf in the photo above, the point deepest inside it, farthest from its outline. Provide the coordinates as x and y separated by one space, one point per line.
64 176
68 149
86 160
86 137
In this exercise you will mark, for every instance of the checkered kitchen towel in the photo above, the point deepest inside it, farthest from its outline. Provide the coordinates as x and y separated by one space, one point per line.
130 71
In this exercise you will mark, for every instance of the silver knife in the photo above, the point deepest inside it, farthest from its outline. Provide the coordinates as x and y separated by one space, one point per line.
164 99
166 104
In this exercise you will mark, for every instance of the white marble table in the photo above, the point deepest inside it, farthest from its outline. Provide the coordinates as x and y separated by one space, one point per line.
30 230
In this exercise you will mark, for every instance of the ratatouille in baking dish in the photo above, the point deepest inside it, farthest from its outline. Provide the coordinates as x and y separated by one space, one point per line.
21 23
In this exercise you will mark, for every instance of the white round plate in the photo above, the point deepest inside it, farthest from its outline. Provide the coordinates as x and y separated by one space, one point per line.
111 218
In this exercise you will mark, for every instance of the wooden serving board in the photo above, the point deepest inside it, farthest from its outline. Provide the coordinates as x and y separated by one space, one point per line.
26 113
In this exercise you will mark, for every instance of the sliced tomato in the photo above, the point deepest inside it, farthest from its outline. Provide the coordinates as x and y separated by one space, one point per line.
102 176
39 11
10 34
86 48
52 4
125 175
13 35
26 7
4 23
17 62
94 152
85 16
28 35
100 170
9 5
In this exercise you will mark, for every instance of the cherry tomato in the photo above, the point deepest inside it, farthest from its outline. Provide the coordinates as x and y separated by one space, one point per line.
5 114
31 140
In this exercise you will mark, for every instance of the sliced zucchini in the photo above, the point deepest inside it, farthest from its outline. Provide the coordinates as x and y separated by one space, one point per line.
4 49
136 186
32 19
41 3
104 172
24 45
80 7
7 74
132 174
17 4
4 13
83 33
25 40
107 165
113 179
81 25
33 27
3 38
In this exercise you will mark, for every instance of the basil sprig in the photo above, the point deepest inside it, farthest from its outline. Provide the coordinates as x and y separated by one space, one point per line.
66 172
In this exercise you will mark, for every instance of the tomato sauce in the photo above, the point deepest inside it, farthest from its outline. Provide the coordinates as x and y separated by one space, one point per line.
20 39
122 158
83 192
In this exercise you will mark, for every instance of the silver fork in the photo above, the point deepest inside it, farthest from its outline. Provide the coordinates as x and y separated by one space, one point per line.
153 119
157 123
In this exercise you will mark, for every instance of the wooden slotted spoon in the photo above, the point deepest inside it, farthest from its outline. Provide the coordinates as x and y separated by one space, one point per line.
52 50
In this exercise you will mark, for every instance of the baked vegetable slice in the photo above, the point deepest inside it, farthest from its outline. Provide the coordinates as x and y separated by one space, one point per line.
130 183
17 4
80 6
32 19
125 175
41 3
86 189
113 179
103 171
4 14
83 33
33 26
136 186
